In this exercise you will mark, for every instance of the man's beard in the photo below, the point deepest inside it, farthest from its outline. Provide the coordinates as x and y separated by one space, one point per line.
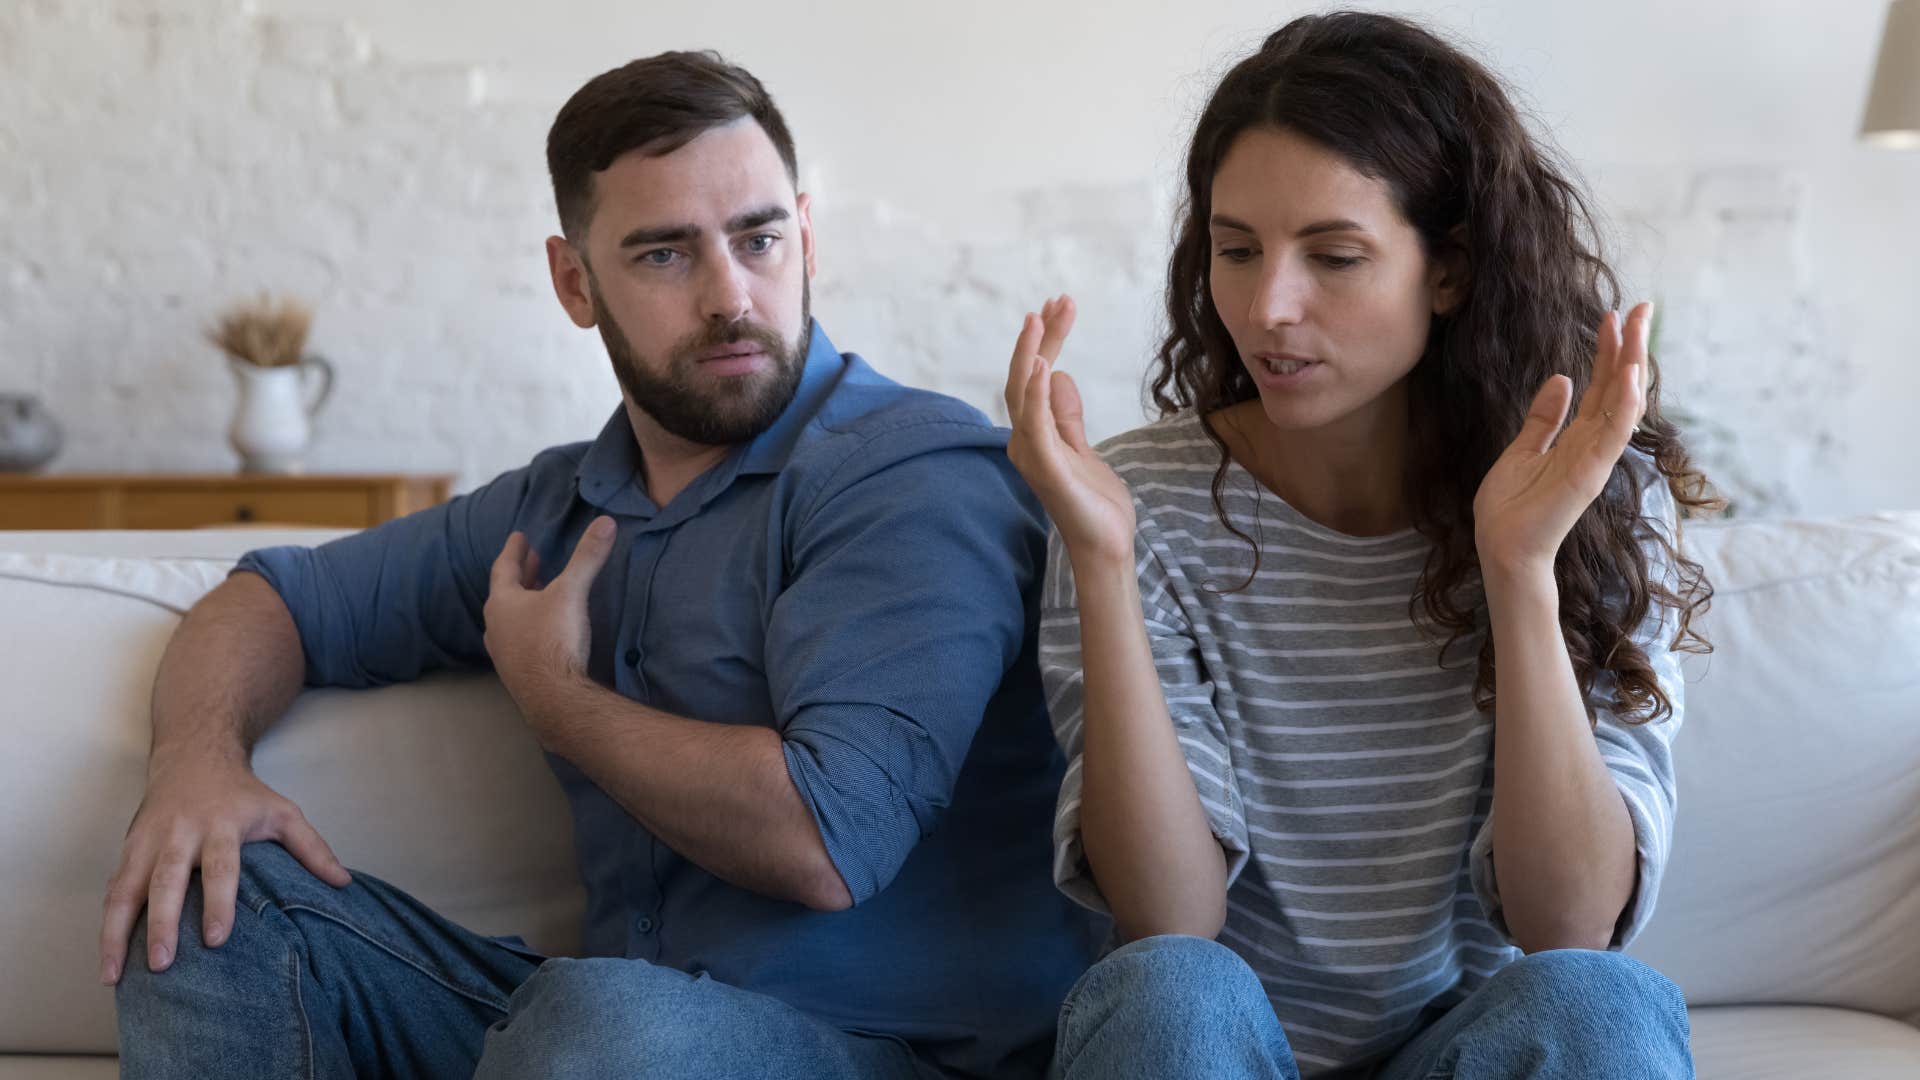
731 410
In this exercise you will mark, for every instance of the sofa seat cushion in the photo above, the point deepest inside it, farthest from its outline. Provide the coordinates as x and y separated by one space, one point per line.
1793 1042
58 1067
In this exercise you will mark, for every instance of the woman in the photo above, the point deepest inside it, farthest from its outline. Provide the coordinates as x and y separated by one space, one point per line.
1394 728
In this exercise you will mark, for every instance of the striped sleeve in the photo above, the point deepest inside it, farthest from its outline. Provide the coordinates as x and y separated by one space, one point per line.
1190 703
1640 756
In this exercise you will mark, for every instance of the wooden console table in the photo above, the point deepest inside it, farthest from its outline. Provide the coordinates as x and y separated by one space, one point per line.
161 501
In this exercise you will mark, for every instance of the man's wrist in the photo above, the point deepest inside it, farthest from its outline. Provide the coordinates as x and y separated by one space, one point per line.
546 698
176 754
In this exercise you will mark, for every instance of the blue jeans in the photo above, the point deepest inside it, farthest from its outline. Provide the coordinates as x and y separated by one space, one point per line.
1170 1007
366 981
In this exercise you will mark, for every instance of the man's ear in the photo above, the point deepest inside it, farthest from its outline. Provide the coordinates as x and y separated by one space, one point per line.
803 210
1449 271
570 280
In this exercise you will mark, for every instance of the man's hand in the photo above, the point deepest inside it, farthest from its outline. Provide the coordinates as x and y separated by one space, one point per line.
197 813
537 634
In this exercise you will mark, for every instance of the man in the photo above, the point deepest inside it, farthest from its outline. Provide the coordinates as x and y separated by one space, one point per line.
785 674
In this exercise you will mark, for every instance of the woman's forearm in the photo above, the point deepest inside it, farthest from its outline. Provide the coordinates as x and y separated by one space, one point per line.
1146 835
1562 839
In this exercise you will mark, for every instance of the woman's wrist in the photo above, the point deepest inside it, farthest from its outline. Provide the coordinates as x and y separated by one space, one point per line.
1102 569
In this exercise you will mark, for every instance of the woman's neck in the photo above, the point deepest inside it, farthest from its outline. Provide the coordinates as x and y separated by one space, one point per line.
1349 475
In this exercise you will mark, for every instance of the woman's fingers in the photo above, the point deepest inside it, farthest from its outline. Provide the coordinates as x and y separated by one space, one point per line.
1544 417
1606 364
1026 349
1057 317
1069 414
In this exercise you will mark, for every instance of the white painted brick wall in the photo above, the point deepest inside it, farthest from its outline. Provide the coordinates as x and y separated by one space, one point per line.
163 160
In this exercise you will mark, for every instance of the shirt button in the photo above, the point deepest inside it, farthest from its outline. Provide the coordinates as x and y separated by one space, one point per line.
644 925
633 657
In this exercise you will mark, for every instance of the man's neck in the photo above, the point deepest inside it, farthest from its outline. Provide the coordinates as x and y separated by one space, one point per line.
1348 476
668 463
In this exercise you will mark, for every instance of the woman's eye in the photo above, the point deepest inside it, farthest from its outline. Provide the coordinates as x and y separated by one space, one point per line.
1340 262
1235 254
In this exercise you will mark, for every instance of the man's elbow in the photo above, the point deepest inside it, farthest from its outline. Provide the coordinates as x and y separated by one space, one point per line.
824 890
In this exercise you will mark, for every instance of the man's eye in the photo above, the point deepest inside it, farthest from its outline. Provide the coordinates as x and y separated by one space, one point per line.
761 244
658 257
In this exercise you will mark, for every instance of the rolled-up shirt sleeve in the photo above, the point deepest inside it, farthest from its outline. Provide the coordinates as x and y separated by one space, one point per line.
400 599
905 608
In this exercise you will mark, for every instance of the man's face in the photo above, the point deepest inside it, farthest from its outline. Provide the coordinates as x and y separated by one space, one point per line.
696 274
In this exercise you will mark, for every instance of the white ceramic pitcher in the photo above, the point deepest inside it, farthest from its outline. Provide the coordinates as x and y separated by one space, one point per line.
274 420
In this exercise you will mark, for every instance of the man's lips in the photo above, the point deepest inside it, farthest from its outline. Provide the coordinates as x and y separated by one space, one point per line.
730 352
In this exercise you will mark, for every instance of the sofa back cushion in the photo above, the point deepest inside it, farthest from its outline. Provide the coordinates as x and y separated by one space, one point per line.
436 786
1795 873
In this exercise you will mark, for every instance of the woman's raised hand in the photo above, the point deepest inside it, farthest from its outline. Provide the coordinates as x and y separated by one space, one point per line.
1547 477
1090 504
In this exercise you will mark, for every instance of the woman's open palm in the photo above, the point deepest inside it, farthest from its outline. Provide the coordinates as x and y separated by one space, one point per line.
1088 502
1547 477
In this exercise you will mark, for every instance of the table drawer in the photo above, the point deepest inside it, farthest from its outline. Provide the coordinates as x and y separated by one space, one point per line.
346 507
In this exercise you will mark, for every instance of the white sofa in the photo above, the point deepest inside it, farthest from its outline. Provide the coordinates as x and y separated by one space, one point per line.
1791 914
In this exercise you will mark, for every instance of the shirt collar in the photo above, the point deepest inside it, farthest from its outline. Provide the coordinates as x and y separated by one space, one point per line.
609 474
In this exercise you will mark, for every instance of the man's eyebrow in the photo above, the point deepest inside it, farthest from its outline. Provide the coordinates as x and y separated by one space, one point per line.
1222 221
753 219
659 234
675 234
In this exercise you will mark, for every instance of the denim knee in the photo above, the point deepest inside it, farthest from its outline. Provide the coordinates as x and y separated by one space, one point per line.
1171 1006
1587 995
576 1016
1171 972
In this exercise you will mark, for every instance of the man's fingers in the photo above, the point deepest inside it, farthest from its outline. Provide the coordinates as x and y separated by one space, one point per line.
126 897
530 569
1020 367
166 893
1544 416
1069 414
219 884
1057 322
506 568
589 555
304 843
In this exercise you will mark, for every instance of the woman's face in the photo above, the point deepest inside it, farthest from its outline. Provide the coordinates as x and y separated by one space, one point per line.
1325 288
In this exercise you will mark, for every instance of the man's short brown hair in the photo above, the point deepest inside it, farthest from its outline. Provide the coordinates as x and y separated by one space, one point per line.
660 104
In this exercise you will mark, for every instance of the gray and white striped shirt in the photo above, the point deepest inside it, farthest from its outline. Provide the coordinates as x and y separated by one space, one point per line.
1345 772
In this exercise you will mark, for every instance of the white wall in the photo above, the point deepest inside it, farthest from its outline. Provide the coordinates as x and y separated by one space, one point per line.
158 160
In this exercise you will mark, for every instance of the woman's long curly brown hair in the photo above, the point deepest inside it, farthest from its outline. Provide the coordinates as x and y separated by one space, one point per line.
1406 108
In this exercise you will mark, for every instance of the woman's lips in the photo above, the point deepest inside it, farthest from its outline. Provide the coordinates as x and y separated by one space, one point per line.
1283 372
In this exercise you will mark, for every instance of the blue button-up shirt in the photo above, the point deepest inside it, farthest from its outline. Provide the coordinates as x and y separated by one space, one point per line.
862 577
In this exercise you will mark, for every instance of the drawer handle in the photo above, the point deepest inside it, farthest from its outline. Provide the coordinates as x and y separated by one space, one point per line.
243 513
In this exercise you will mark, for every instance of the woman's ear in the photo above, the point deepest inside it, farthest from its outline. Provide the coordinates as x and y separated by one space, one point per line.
1448 272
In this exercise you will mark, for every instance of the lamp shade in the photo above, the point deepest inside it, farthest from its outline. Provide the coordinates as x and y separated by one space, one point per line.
1893 105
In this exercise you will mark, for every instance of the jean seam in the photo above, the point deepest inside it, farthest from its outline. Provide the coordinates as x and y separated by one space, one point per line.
494 1002
300 1007
1060 1054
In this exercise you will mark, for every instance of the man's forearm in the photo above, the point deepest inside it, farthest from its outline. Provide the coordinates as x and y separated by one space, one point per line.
231 668
719 794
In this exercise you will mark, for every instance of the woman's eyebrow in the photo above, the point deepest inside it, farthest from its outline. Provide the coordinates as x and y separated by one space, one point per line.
1223 221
